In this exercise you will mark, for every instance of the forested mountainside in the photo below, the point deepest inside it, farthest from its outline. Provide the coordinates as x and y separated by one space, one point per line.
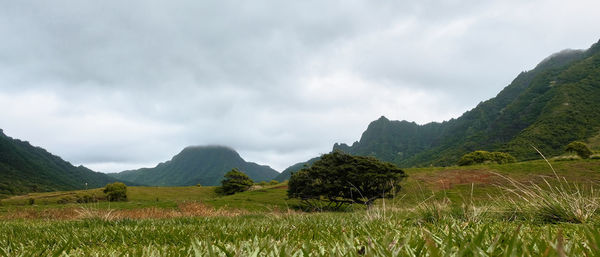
203 165
549 106
25 168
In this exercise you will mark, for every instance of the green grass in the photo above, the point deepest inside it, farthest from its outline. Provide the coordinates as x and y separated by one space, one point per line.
457 183
324 234
268 199
451 211
480 182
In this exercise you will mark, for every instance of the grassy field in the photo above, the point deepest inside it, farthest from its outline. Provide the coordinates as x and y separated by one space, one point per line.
486 210
323 234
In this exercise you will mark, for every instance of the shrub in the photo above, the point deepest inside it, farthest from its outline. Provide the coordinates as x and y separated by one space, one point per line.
86 199
479 157
235 181
579 148
339 178
116 192
262 183
63 200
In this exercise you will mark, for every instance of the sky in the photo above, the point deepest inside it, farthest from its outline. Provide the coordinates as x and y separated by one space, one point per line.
116 85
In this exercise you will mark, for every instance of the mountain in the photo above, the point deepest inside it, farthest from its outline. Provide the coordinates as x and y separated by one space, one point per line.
25 168
287 173
550 106
203 165
555 103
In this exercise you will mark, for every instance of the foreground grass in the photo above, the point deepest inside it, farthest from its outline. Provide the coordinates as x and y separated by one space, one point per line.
370 233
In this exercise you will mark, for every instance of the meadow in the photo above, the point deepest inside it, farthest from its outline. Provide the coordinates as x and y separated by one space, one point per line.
485 210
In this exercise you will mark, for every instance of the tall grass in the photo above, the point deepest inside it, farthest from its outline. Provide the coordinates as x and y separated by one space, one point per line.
554 199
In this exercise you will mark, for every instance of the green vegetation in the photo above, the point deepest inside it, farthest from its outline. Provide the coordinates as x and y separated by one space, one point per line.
235 182
116 192
370 233
453 182
548 107
340 178
205 165
479 157
580 149
25 168
515 209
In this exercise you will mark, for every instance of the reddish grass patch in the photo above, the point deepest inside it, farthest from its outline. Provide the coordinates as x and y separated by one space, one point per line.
185 209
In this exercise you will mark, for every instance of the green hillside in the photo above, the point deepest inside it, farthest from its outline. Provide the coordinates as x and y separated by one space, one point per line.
203 165
555 103
480 183
287 173
25 168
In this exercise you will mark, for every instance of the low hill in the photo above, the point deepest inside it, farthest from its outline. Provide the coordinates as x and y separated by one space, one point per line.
25 168
205 165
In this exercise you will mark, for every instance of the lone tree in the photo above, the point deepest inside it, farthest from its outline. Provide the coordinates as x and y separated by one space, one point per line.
580 149
116 192
478 157
339 178
235 181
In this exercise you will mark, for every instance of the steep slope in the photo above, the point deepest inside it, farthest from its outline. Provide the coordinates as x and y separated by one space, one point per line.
25 168
549 106
287 173
203 165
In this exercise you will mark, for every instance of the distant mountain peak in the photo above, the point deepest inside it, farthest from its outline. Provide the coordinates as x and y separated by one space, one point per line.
204 165
560 58
595 48
207 147
383 119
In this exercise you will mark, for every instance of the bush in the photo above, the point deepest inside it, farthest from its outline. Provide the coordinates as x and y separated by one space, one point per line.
235 181
116 192
86 199
579 148
339 178
63 200
479 157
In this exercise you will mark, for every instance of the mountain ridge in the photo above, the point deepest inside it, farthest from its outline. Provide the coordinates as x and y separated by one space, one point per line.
548 107
203 165
25 168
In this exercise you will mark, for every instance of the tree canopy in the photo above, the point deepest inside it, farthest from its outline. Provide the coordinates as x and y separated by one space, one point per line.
116 192
339 178
235 181
478 157
580 149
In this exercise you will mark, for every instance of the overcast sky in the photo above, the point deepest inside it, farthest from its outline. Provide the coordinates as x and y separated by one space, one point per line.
116 85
